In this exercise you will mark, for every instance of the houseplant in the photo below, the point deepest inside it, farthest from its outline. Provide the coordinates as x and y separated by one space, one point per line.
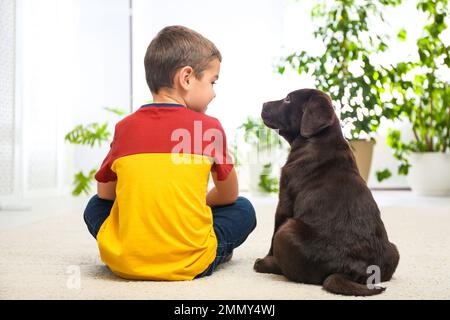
421 96
345 69
264 148
89 135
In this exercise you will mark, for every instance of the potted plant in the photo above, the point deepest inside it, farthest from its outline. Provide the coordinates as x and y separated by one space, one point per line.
421 96
89 135
265 147
345 70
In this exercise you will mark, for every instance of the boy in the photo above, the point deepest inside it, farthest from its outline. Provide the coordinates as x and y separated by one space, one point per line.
152 216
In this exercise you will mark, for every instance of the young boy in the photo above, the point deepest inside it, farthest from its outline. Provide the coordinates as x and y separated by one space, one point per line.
152 216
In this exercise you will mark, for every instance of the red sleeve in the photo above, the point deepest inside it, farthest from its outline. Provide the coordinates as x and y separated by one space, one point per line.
223 163
105 174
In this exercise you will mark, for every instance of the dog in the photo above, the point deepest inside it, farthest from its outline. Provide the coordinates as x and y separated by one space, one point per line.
328 229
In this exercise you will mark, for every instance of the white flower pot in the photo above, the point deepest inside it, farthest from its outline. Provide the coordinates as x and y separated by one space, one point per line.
429 174
256 165
256 161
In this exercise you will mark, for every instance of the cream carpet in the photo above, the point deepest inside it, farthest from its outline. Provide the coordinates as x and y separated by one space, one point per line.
39 261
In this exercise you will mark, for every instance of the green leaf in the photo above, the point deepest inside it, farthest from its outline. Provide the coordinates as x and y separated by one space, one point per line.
118 111
403 169
83 182
89 135
267 183
401 36
383 175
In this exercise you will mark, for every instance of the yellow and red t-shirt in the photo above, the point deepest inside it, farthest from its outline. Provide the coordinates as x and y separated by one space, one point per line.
160 227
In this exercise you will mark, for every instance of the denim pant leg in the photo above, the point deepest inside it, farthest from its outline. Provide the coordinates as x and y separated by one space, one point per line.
232 225
96 212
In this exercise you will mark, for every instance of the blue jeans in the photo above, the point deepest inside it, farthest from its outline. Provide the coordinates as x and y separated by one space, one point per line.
232 225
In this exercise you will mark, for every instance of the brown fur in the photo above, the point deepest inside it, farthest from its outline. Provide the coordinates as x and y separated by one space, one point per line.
328 229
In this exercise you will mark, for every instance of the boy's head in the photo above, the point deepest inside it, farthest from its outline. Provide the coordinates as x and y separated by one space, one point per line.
182 63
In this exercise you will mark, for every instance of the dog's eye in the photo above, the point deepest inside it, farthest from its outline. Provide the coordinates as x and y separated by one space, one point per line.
287 99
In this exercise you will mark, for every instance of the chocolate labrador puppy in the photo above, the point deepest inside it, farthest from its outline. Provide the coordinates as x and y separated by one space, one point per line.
328 229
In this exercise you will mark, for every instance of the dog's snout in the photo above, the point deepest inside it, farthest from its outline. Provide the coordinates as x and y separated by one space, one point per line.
265 110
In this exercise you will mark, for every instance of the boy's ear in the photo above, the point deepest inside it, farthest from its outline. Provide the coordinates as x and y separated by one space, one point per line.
318 114
185 74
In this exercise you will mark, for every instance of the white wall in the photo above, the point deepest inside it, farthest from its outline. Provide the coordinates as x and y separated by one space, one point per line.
103 68
73 59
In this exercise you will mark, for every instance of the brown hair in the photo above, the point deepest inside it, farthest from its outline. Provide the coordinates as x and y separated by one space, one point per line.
175 47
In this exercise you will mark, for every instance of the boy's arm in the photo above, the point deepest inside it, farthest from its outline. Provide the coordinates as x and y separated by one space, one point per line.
225 192
106 190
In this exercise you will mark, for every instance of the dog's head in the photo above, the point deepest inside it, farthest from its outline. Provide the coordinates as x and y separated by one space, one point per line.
304 112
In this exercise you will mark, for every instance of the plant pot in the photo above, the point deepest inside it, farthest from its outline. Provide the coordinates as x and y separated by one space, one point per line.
429 174
363 150
254 174
256 164
257 159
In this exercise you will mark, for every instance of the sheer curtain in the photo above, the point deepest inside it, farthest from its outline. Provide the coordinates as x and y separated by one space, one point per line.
8 127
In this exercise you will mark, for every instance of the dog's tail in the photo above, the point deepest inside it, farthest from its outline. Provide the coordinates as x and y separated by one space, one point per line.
340 284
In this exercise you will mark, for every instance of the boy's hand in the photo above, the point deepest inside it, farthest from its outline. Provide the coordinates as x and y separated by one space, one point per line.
107 190
225 192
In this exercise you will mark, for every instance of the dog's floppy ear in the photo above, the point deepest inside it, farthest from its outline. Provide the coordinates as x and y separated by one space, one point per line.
318 114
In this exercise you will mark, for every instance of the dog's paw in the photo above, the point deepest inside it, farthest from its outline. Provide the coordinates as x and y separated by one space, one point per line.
258 266
264 265
267 265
